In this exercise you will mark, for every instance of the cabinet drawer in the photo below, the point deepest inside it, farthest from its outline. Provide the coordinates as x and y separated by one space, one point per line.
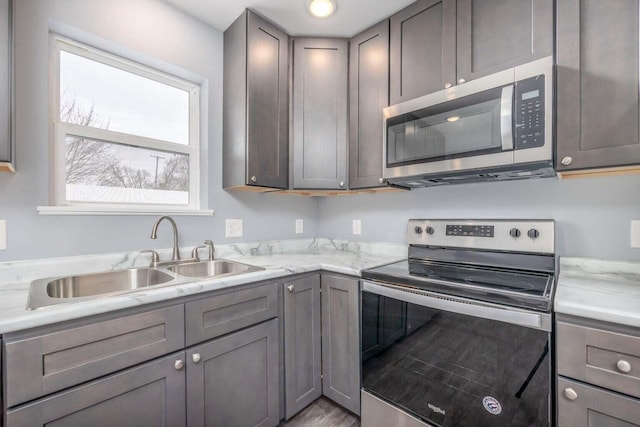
50 362
599 357
218 315
592 406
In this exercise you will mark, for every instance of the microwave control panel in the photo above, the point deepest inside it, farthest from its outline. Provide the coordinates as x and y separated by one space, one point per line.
529 111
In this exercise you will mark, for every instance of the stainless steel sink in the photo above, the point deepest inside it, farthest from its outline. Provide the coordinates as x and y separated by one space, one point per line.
84 287
102 283
213 268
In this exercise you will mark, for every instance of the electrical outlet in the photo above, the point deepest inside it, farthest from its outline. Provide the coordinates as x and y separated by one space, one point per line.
3 235
234 228
635 233
357 226
299 226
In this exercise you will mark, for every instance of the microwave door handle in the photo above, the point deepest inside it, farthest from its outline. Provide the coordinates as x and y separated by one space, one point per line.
506 118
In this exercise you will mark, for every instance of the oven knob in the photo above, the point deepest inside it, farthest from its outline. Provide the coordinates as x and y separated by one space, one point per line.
514 232
429 230
533 233
418 230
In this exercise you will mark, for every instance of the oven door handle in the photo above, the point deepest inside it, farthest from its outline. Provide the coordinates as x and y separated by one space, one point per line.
527 319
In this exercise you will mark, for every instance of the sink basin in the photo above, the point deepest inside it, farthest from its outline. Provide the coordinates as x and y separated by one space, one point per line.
213 268
103 283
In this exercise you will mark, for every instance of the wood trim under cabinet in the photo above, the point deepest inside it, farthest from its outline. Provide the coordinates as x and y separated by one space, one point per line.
7 167
590 173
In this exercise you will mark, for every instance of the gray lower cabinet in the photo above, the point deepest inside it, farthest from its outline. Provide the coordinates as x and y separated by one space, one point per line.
48 362
152 394
368 95
234 380
493 35
319 138
598 366
256 104
598 114
6 147
341 341
422 49
302 343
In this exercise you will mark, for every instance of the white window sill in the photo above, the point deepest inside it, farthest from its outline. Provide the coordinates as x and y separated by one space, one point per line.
85 210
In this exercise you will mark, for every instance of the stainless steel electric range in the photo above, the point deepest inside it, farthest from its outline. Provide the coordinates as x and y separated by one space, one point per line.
459 334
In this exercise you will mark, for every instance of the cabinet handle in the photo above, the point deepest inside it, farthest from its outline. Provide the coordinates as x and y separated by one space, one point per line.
570 393
461 81
566 161
254 179
381 180
290 288
623 366
196 357
341 184
447 85
179 364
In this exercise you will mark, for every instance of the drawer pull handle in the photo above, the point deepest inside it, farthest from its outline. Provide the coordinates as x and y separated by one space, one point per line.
570 393
290 288
623 366
196 357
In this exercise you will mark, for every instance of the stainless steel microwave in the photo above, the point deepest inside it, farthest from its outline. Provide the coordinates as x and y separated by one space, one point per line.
496 127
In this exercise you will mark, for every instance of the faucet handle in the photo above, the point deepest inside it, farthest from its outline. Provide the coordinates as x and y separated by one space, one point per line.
155 258
194 252
209 244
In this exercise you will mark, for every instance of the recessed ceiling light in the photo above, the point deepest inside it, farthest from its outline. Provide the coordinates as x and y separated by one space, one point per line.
322 8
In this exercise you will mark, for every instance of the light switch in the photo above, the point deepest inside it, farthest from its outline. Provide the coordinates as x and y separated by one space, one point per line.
3 235
233 228
635 233
299 226
357 226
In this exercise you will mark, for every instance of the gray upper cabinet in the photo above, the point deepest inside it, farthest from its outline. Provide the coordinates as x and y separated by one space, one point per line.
598 117
494 35
422 49
151 394
234 380
255 115
341 341
319 140
302 343
6 147
368 95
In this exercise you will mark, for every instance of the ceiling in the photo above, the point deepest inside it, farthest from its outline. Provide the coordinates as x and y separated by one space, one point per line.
351 17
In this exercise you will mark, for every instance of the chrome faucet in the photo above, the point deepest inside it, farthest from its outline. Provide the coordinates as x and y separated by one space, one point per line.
154 235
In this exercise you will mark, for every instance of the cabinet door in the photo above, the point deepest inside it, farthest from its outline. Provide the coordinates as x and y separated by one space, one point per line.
5 86
267 104
152 394
597 84
302 343
320 113
43 364
494 35
369 94
594 407
234 380
341 341
423 49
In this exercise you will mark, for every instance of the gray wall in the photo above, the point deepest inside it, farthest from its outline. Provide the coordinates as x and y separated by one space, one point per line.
592 214
157 32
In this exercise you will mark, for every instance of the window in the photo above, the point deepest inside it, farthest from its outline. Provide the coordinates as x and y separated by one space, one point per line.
125 135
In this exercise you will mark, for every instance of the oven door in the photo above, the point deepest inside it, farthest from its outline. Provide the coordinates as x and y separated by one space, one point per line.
452 362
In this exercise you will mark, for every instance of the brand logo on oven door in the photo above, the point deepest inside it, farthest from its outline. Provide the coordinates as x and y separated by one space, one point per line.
435 409
492 405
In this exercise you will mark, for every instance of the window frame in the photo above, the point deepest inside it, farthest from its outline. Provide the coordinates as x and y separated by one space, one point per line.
60 129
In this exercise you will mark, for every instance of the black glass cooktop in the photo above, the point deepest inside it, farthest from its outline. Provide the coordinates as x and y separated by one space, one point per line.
512 287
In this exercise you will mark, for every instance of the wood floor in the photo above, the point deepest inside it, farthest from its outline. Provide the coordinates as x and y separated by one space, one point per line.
323 413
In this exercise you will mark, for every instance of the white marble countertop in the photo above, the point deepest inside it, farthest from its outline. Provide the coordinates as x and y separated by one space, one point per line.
600 290
278 258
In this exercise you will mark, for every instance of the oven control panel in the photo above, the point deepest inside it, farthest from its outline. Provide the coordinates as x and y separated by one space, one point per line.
535 236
